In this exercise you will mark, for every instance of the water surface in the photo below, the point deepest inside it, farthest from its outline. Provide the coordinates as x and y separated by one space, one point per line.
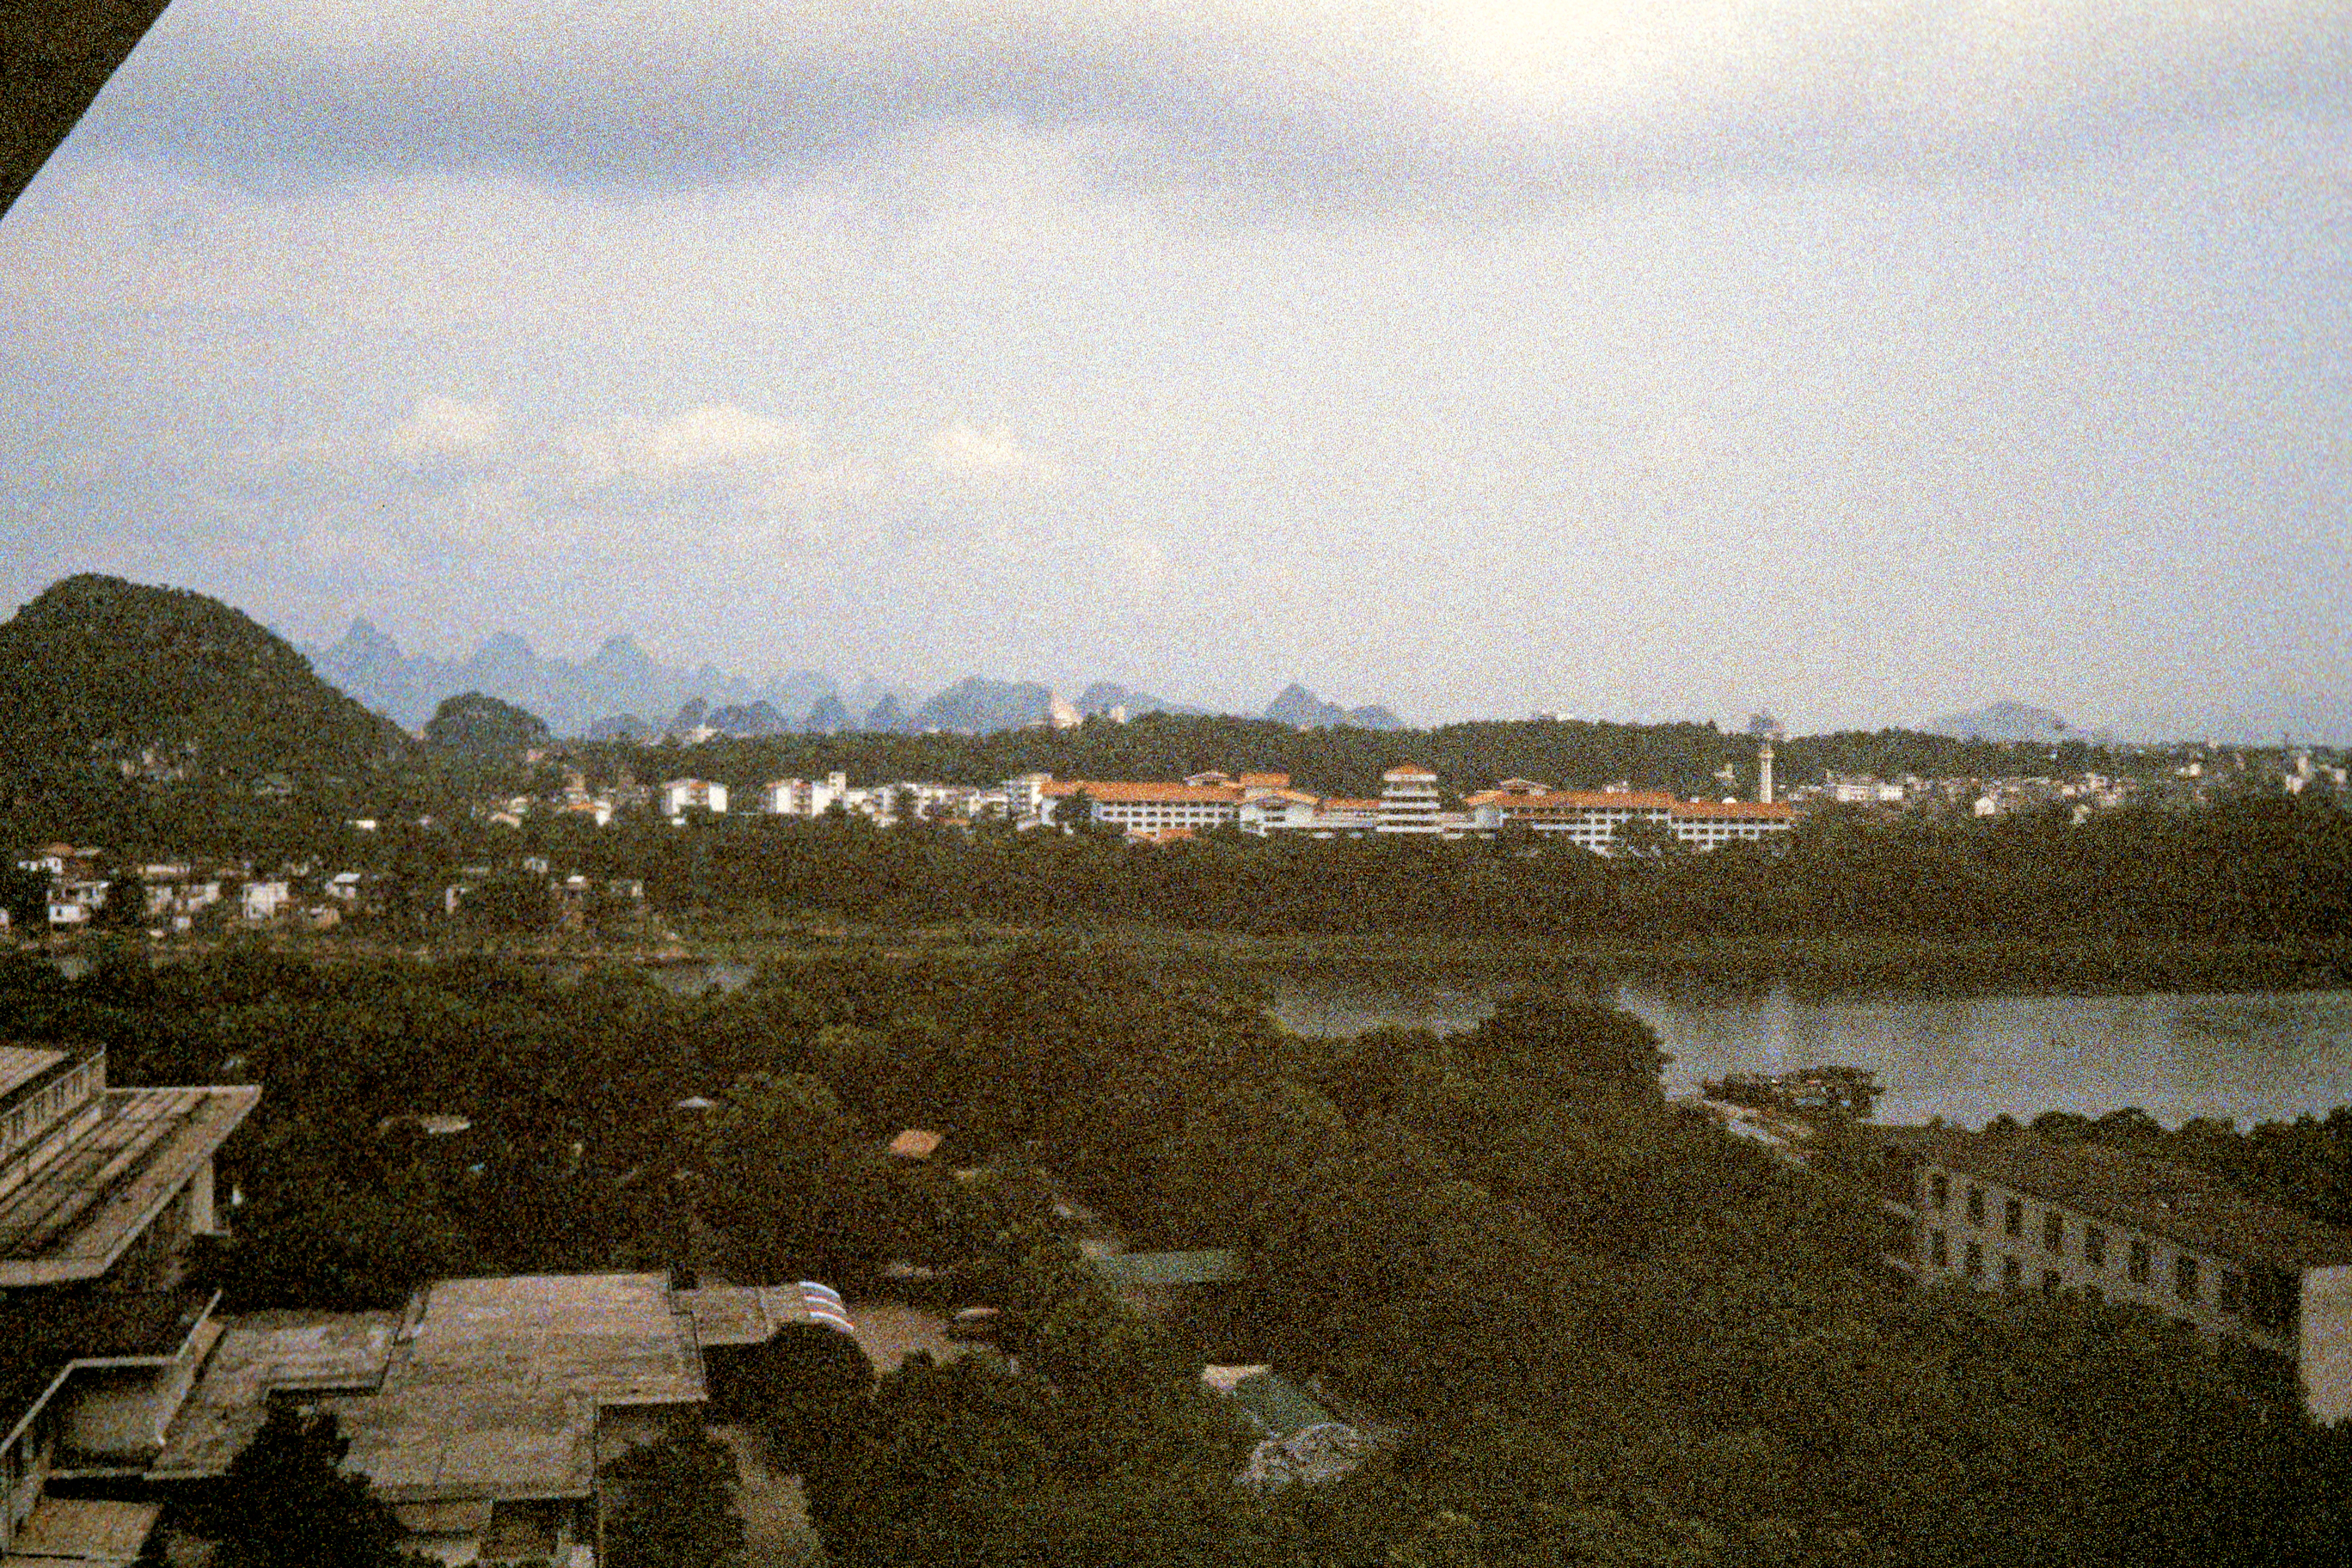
2244 1056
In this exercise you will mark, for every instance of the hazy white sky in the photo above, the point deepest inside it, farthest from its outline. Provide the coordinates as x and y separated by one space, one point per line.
1647 358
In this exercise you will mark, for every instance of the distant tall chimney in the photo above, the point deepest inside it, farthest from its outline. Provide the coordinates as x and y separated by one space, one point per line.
1764 770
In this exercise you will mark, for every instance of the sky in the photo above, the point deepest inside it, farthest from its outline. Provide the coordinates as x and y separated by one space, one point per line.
1636 358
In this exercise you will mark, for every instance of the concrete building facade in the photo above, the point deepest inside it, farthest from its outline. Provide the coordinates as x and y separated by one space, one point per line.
2018 1212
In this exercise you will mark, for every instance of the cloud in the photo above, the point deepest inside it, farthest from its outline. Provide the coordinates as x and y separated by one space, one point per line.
443 433
987 458
1341 101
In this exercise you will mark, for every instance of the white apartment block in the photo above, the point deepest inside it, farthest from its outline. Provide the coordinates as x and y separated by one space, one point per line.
2018 1212
805 797
1150 810
1409 800
1593 820
678 797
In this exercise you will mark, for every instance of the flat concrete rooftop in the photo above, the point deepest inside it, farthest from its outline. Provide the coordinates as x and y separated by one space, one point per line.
72 1218
482 1389
260 1353
743 1314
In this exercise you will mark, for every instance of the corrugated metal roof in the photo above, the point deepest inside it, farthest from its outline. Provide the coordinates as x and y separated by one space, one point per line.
1280 1408
1204 1266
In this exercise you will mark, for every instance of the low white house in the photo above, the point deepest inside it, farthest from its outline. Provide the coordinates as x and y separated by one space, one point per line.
263 900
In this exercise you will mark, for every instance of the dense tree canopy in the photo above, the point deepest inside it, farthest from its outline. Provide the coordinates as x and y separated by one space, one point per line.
1596 1328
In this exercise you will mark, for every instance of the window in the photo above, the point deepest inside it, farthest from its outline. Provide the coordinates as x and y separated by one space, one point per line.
2184 1276
1976 1206
2234 1291
2053 1234
2049 1283
2272 1299
1938 1253
2012 1218
2094 1248
1939 1191
2011 1273
1975 1261
2138 1269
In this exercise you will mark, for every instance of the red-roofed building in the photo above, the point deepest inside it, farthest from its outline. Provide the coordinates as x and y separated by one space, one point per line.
1592 819
1409 800
1144 807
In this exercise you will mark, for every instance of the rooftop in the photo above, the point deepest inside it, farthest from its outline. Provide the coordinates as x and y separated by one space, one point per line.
493 1385
20 1065
43 1337
742 1315
1575 799
483 1389
75 1215
1120 792
1270 1403
2179 1203
915 1143
261 1352
1203 1266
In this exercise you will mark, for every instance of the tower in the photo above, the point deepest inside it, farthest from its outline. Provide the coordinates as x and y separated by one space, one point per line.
1766 730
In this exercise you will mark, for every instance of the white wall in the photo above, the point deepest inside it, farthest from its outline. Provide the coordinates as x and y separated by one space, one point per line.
2325 1362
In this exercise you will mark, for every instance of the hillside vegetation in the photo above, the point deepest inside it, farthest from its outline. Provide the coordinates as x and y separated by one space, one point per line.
103 680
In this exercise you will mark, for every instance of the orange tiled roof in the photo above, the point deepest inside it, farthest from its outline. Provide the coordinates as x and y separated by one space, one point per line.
1410 771
1335 804
1122 793
1263 781
1576 800
1743 810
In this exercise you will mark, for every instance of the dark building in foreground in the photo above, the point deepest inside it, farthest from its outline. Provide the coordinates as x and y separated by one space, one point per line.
2011 1210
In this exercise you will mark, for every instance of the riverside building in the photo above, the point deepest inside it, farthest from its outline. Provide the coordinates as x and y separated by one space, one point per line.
2014 1211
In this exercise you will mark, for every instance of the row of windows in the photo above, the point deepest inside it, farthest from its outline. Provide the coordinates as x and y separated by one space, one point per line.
44 1107
2187 1273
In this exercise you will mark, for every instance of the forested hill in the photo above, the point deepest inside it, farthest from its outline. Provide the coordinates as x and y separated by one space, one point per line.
102 679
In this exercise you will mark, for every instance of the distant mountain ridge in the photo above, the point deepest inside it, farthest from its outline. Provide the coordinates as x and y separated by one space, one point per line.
100 674
621 691
618 679
1301 709
2001 720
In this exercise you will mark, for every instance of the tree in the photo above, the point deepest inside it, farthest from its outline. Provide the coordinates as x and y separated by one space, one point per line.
671 1504
286 1503
483 729
26 896
806 1389
1574 1047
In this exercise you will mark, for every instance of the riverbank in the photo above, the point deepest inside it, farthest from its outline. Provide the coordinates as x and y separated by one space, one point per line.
1804 966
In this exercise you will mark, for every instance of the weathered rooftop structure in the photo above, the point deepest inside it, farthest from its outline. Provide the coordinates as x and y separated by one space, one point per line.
87 1172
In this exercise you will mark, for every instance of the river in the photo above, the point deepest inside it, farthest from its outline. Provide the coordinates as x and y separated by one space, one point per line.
2245 1057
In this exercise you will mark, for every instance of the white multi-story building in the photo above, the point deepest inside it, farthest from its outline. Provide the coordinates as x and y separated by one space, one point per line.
263 900
678 797
805 797
1151 810
2016 1211
1025 795
1409 800
1593 819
